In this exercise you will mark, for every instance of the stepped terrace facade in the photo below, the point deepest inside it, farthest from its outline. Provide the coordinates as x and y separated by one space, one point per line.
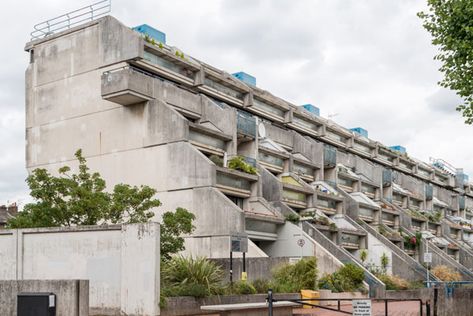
247 163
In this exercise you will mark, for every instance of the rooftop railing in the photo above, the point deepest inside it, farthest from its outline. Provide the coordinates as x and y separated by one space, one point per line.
71 19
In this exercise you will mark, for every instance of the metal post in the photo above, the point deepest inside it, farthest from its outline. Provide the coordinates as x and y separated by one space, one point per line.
385 307
436 294
244 262
231 267
270 302
427 251
421 308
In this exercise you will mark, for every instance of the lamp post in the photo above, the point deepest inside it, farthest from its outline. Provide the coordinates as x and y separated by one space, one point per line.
427 258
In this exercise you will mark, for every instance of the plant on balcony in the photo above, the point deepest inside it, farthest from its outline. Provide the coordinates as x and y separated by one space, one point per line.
382 230
149 39
180 54
309 214
333 226
435 217
239 163
413 242
321 220
446 274
293 218
217 160
416 214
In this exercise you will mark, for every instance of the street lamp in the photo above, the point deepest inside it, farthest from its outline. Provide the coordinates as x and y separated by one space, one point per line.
428 257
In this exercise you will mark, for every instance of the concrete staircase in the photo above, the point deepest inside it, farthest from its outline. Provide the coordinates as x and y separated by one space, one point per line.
376 286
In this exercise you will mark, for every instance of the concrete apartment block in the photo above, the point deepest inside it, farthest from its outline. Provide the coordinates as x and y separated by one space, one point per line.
150 114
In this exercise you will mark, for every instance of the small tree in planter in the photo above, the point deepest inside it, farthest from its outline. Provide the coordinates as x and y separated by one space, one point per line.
384 262
363 255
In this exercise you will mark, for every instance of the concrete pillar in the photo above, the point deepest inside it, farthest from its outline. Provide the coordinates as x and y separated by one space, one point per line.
140 269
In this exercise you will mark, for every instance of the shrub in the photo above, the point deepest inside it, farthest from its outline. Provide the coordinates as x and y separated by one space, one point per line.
239 163
384 262
393 282
217 160
349 278
262 285
293 218
446 274
353 273
241 288
363 255
291 278
197 277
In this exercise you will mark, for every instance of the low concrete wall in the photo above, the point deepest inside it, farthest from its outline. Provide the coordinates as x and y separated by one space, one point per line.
72 296
256 268
186 306
459 303
328 294
120 261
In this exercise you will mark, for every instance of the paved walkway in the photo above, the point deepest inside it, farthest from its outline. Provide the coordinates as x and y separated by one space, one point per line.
394 309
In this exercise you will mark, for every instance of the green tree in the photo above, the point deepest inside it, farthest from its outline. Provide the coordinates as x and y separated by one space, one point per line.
450 22
81 199
174 225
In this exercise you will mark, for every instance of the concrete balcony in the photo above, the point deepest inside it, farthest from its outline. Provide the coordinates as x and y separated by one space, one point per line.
126 86
235 183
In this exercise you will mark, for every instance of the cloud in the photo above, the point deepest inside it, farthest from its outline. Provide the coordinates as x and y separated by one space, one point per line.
443 101
369 61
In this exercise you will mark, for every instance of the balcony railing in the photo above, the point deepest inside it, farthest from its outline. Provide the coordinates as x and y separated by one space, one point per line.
246 124
330 156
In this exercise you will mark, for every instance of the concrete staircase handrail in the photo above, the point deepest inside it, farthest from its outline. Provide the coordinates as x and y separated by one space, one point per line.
343 255
414 264
445 257
432 247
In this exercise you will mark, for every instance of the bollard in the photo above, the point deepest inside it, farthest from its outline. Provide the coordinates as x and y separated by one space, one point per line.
270 302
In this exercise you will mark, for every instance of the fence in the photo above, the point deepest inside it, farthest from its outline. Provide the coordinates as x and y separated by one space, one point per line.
313 302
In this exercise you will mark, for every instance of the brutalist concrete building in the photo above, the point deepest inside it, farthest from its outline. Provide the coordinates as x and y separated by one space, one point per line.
245 162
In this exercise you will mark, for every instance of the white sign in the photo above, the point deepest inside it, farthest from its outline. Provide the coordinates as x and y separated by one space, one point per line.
361 307
301 242
428 257
52 300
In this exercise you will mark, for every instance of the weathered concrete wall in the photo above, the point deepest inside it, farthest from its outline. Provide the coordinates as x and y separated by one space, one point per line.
72 296
459 303
256 268
108 256
286 246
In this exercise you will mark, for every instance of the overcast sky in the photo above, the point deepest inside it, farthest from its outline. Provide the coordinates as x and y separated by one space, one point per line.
366 63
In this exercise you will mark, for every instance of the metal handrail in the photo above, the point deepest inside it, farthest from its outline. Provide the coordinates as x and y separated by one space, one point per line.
70 19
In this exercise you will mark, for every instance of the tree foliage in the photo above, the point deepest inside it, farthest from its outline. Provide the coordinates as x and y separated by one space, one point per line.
71 199
450 22
175 224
